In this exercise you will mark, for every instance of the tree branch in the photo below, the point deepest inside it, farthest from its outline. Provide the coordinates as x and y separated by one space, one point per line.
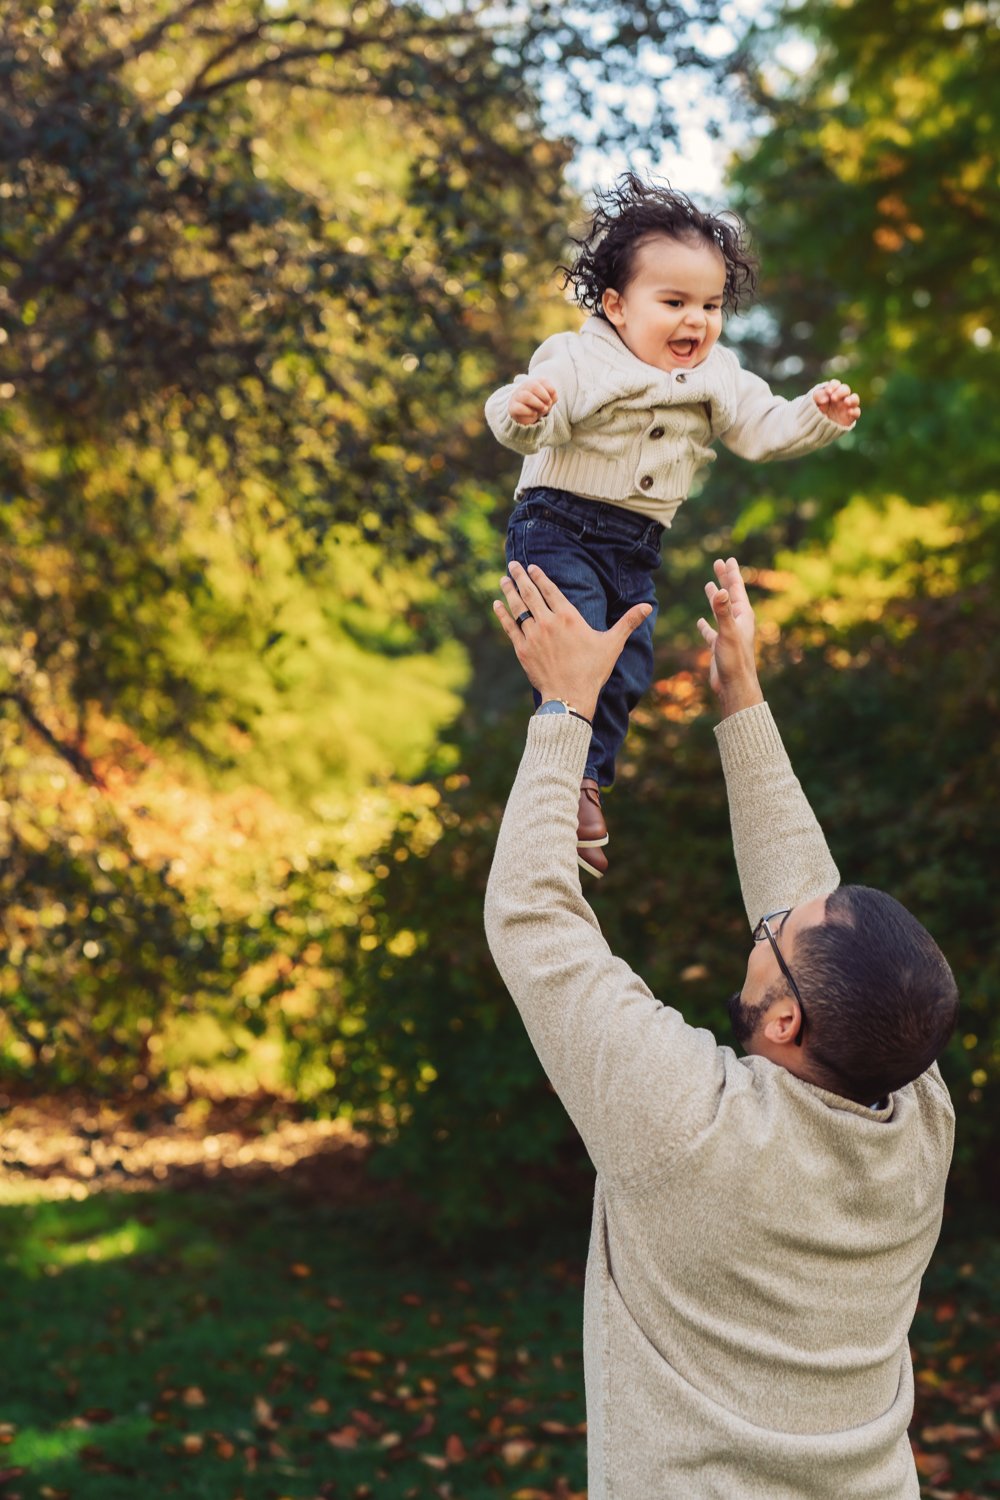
73 757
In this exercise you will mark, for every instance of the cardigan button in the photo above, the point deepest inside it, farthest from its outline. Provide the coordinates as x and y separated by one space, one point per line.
657 432
681 378
646 482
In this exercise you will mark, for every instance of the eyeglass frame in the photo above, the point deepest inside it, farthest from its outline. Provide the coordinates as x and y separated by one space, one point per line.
762 931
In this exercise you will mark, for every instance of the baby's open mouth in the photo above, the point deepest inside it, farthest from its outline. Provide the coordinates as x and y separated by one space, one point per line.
683 348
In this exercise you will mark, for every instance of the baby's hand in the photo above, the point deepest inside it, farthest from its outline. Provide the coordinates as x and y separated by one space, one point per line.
837 401
530 401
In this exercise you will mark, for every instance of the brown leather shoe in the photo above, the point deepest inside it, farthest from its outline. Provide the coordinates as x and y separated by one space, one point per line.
591 829
594 861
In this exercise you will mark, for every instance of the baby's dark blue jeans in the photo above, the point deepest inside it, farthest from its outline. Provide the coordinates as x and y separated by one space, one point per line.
603 557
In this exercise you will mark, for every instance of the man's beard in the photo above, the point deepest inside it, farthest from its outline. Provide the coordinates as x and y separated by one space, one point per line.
743 1019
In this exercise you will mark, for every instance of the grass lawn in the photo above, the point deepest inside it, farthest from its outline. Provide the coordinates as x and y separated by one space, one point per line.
223 1344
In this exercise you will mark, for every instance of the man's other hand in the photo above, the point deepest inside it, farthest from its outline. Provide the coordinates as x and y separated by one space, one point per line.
562 656
732 671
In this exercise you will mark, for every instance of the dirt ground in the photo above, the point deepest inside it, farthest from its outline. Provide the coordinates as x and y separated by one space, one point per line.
71 1147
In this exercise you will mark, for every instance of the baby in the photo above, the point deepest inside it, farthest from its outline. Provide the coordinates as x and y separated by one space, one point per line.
616 421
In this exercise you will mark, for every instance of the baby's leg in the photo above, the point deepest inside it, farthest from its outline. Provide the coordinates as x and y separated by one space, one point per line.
630 680
551 528
636 558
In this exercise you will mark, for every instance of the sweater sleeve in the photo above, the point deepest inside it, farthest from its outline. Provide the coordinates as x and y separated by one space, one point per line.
636 1080
551 361
767 426
781 854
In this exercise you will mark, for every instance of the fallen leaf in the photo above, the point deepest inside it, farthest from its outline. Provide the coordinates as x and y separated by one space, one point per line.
344 1437
454 1449
263 1413
932 1465
515 1450
369 1424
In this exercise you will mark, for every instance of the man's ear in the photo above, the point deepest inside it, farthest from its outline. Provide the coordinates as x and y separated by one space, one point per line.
611 301
782 1025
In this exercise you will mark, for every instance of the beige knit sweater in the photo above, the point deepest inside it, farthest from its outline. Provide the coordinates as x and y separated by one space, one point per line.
757 1242
627 432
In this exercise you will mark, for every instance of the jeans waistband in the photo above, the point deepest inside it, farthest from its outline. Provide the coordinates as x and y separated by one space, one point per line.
596 517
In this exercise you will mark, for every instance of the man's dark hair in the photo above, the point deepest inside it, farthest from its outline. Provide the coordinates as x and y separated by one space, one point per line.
879 998
629 214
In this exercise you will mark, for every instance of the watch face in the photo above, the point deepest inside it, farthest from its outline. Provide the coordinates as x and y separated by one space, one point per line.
553 706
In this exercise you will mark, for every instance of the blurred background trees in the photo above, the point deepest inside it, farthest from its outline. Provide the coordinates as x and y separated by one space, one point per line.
261 266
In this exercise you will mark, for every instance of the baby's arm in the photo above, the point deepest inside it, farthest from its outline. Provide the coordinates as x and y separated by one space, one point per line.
767 426
536 410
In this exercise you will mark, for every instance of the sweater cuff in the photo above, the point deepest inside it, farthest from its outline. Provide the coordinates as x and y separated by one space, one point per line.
524 440
558 741
747 738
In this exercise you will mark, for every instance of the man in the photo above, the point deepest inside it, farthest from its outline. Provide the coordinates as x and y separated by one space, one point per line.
761 1223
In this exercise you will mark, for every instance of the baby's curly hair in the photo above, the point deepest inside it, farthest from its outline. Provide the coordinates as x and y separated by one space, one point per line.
631 211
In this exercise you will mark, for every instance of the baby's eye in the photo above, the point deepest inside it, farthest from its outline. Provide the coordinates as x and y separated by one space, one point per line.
712 306
673 302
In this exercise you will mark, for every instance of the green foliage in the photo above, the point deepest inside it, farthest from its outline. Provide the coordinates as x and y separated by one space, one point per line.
259 269
881 261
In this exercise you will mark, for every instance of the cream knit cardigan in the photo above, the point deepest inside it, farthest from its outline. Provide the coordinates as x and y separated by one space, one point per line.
627 432
757 1242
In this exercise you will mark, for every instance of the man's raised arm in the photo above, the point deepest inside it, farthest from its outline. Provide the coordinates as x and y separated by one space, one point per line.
781 854
635 1079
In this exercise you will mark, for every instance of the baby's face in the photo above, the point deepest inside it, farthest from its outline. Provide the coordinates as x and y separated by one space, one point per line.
670 314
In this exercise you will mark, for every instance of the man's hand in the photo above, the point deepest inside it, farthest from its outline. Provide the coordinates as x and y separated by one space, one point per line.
732 673
532 400
838 402
562 656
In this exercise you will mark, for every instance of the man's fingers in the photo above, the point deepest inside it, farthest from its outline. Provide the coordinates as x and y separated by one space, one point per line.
532 597
507 621
632 620
721 606
550 592
515 600
731 579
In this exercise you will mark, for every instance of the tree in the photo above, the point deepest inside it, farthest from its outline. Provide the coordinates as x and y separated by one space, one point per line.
259 266
876 565
881 261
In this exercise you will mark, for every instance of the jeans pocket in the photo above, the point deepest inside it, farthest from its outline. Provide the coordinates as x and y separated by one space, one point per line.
537 541
635 573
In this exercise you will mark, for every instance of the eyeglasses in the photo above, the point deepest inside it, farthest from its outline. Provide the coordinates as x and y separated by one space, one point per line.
762 931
